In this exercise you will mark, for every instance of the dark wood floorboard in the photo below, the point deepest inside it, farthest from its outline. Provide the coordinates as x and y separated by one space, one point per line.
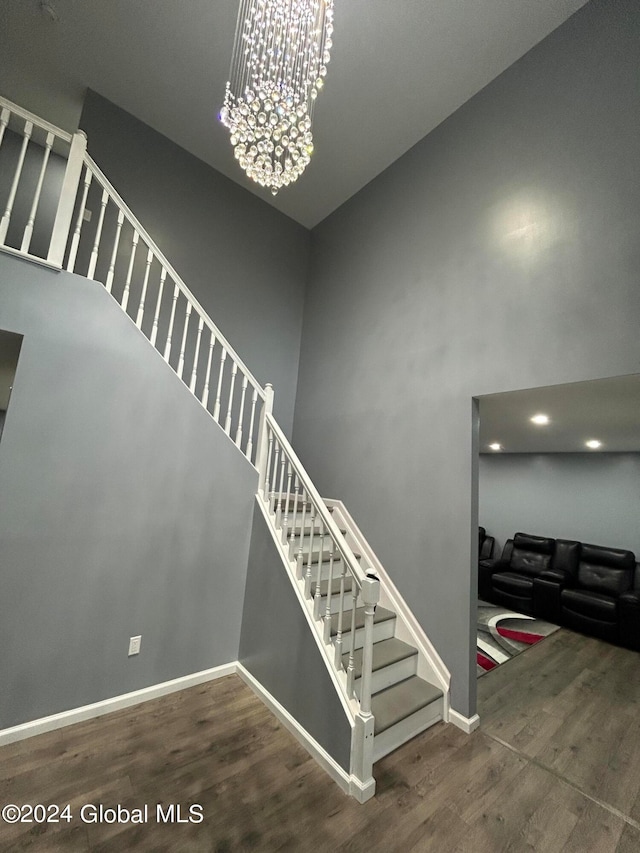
554 768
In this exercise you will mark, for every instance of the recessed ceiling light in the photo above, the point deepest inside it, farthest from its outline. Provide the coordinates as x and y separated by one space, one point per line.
594 444
495 446
540 419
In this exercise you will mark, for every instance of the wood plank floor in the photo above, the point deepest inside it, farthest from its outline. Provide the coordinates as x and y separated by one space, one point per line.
555 766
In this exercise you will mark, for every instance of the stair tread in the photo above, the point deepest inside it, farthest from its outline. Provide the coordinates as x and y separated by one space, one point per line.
395 703
381 615
385 653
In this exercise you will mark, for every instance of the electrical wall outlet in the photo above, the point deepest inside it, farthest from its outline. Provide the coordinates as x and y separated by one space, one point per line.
134 645
86 215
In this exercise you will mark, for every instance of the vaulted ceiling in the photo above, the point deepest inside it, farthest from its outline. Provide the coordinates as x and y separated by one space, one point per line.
397 70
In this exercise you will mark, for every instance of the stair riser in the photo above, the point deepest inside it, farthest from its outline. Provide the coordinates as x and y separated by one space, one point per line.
388 675
395 736
381 631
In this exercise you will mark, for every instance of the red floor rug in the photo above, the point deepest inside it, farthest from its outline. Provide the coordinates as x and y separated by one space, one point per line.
503 634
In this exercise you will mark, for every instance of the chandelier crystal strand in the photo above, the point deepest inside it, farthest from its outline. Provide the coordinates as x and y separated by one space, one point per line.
279 62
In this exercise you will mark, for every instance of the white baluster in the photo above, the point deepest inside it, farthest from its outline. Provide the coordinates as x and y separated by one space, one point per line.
317 600
114 252
351 664
174 302
338 641
216 408
227 422
300 554
272 504
145 285
28 231
6 217
283 462
254 399
5 115
156 314
285 523
205 395
96 243
75 242
194 372
241 415
132 258
268 468
292 541
327 610
307 574
184 340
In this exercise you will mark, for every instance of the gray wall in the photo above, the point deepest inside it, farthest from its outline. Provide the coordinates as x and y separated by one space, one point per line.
125 510
589 497
245 262
501 252
277 647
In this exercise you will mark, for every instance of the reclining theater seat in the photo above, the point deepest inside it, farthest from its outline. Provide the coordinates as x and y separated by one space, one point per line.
548 586
485 544
629 603
509 581
592 605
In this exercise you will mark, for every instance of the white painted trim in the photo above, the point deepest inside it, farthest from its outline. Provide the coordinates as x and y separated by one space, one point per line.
349 784
467 724
16 253
362 792
407 627
106 706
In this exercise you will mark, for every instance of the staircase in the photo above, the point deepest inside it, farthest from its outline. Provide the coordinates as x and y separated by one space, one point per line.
393 683
403 704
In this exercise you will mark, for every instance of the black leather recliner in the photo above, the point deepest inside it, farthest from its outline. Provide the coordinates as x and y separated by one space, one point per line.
486 544
592 605
629 612
548 586
509 581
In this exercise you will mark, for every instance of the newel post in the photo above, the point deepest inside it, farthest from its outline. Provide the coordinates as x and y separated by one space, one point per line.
67 200
263 442
370 597
363 784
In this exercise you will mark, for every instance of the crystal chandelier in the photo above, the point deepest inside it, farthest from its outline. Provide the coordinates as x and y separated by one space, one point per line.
279 62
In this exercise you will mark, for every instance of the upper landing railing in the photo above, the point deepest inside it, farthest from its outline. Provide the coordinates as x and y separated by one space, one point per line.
59 209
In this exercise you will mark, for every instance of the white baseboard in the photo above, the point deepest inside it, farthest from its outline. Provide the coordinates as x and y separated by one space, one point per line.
97 709
337 773
467 724
349 784
362 792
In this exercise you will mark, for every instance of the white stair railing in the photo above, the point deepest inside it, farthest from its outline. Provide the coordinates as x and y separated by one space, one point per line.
114 248
297 512
37 204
